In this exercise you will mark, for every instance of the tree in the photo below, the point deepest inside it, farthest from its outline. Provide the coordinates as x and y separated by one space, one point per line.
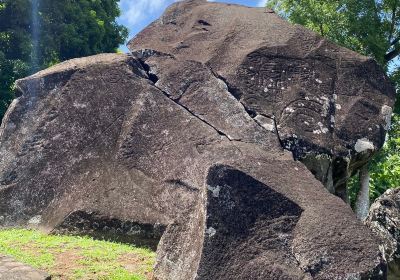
78 28
385 167
372 28
68 29
15 47
362 202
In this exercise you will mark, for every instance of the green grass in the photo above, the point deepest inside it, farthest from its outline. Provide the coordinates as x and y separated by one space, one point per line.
72 257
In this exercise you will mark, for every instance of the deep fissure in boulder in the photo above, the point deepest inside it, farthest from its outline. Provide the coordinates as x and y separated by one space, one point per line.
188 133
153 78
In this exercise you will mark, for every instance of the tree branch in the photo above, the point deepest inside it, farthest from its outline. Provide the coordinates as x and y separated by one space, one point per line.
396 51
321 29
392 54
394 9
395 41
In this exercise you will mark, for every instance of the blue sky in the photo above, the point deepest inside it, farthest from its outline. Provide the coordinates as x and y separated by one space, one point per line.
137 14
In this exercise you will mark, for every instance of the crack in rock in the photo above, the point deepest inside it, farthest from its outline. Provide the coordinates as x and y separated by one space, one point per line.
153 78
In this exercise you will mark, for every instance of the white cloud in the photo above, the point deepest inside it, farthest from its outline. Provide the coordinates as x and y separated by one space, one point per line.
262 3
134 11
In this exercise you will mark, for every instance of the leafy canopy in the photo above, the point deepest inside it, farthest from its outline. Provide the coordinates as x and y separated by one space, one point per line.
67 29
370 27
78 28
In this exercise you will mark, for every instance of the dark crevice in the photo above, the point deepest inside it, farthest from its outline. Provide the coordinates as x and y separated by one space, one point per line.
153 78
257 122
101 227
231 89
266 116
277 132
252 113
182 46
182 184
145 66
203 22
194 115
275 126
234 92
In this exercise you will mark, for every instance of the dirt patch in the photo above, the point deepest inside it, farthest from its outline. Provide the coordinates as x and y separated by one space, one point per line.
136 264
65 264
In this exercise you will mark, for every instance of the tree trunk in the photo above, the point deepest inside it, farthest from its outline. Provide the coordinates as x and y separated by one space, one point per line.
362 202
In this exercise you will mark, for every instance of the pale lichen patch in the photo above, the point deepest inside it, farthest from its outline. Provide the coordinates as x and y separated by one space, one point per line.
35 220
211 231
79 105
265 122
363 145
214 190
321 129
289 109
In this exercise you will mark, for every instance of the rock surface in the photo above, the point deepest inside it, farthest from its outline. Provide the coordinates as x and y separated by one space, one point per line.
13 270
331 106
384 220
167 143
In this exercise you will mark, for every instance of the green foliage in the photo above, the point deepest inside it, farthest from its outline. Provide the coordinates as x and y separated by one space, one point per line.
324 17
385 168
15 47
353 187
79 28
68 29
370 27
79 257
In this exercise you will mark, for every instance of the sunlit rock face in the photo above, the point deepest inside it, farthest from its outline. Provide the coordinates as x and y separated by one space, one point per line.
176 144
323 99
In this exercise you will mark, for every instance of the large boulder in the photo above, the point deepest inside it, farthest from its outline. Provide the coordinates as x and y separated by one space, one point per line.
384 220
165 147
331 107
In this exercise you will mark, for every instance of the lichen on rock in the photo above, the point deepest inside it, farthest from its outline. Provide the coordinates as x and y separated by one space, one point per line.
184 144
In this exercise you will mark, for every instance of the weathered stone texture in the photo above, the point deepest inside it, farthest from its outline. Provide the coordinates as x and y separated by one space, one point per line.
324 99
13 270
184 141
384 220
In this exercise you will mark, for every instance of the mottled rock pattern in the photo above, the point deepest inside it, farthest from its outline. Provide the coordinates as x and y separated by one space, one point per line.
13 270
167 144
94 145
327 102
384 220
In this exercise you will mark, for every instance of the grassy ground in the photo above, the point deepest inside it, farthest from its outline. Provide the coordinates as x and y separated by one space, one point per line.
68 257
